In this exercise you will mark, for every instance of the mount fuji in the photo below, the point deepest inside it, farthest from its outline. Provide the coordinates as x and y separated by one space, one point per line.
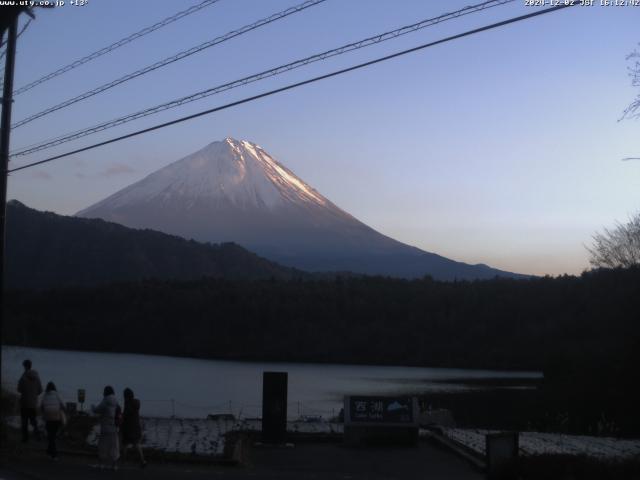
235 191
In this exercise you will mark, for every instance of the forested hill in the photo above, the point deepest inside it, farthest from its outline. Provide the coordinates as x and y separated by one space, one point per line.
499 323
48 250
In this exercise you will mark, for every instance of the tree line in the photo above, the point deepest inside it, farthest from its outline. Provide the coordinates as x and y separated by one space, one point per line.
583 332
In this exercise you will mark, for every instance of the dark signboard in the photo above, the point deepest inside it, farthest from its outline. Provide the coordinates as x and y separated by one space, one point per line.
381 410
274 407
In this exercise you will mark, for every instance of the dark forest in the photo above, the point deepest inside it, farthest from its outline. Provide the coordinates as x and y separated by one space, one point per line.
582 332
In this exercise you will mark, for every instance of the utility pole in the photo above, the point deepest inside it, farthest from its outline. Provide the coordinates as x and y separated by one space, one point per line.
5 133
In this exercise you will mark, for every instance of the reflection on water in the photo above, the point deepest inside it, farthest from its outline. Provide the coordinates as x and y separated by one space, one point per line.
195 388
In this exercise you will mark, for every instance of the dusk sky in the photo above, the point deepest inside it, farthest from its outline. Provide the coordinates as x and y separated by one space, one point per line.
501 148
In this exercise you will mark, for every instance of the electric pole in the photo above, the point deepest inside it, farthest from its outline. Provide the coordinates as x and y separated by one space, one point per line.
5 133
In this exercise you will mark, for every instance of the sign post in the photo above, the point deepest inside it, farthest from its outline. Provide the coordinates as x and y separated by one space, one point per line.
502 454
274 407
81 398
381 420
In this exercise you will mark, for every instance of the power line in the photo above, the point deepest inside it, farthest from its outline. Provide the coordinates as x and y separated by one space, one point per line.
299 84
259 76
179 56
118 44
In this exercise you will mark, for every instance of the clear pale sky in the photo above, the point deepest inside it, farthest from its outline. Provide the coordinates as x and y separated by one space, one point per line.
502 148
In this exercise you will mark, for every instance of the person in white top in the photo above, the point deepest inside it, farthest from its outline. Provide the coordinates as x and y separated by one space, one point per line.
110 419
53 415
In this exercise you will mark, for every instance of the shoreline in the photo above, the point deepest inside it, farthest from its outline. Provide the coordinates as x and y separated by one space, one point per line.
526 373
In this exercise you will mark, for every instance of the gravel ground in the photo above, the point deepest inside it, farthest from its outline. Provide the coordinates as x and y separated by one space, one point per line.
537 443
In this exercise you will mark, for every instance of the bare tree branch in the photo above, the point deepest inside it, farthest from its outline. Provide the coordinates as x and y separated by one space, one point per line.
633 110
619 247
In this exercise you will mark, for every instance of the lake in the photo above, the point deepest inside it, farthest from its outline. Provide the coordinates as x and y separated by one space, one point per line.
194 388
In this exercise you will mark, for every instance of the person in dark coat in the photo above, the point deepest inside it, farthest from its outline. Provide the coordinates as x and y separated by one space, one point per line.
131 429
30 389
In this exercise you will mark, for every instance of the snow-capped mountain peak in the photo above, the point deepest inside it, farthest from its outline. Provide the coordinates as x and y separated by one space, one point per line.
232 190
232 171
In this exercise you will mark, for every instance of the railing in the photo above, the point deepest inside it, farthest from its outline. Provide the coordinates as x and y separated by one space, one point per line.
170 407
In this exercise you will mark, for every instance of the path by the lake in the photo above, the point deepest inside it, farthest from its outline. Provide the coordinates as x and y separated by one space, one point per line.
304 461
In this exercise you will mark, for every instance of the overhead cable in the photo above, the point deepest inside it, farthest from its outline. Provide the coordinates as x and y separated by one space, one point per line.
298 84
116 45
259 76
174 58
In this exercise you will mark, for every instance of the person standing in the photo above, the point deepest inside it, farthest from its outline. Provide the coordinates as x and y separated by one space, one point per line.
131 429
108 444
29 388
53 415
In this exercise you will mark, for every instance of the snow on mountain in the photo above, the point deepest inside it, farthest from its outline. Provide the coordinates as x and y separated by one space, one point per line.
236 171
233 190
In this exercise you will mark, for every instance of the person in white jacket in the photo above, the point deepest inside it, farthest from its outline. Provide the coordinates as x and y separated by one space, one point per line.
53 414
108 444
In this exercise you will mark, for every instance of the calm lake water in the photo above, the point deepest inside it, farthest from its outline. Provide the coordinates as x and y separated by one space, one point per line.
195 388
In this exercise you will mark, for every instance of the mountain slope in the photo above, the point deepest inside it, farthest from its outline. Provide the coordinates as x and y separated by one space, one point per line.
234 191
49 250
